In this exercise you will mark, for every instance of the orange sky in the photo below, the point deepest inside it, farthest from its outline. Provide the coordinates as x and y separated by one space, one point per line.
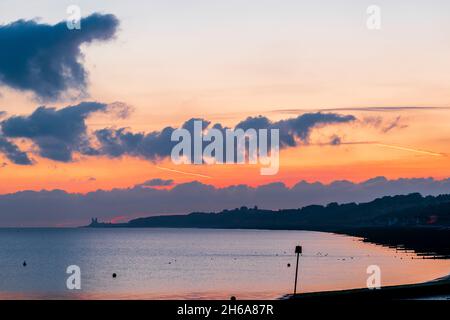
226 62
416 148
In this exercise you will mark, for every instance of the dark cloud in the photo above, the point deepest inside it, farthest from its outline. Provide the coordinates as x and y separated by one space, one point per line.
56 133
157 182
296 130
335 140
157 145
47 208
59 133
13 153
153 146
46 59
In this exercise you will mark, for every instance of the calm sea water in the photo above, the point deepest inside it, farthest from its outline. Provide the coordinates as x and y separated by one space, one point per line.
194 263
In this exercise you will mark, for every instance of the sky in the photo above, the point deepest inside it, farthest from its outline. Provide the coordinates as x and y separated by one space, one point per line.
150 65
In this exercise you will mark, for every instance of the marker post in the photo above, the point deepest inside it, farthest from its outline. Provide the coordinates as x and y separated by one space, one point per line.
298 251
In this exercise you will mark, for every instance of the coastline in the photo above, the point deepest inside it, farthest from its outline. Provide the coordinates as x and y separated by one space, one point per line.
404 222
428 242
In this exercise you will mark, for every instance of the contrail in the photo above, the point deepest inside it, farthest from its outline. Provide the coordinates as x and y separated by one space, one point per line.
184 172
410 149
376 143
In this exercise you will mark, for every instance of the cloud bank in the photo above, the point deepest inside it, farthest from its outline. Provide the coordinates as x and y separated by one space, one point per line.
58 134
47 59
50 208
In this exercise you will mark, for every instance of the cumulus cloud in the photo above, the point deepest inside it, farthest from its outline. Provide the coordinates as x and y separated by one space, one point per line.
56 133
43 208
47 59
157 145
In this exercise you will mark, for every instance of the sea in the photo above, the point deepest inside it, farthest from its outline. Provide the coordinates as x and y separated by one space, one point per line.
195 263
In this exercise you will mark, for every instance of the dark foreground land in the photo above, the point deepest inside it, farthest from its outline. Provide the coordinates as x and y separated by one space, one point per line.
434 290
408 222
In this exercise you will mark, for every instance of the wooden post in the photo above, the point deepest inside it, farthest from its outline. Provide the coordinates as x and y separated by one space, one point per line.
298 251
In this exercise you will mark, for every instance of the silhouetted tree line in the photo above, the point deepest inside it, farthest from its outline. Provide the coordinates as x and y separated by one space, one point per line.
390 211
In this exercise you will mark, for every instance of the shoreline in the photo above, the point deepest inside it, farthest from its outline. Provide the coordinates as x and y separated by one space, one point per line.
427 242
437 289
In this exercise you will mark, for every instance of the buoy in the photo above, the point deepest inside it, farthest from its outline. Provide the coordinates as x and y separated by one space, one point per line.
114 275
289 265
